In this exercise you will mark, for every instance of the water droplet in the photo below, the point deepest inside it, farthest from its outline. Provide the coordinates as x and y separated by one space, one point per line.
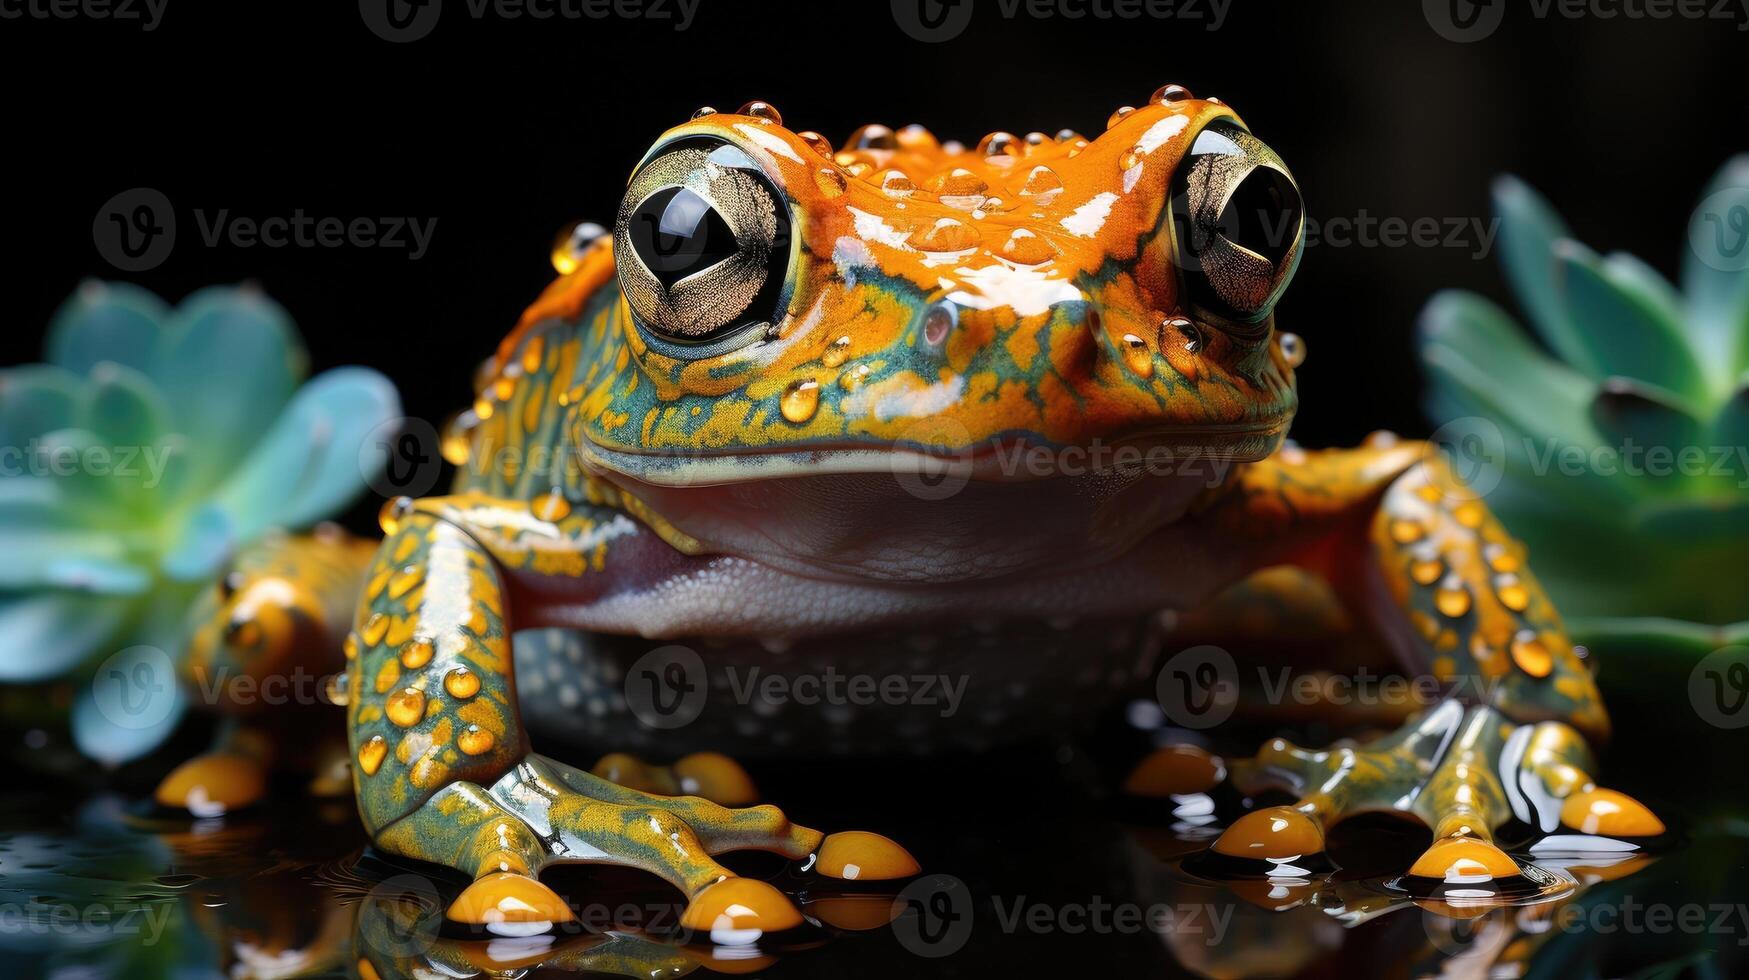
1405 531
552 507
1068 136
336 690
1170 93
999 148
571 243
416 654
1501 558
819 144
1042 185
801 400
1293 349
1452 599
917 138
959 188
405 707
897 184
1185 328
1531 654
456 445
475 740
873 136
1027 248
853 378
703 111
1426 571
393 513
350 646
1137 355
461 683
1470 514
837 352
830 181
1512 593
765 112
945 235
1132 157
371 753
1036 138
1118 116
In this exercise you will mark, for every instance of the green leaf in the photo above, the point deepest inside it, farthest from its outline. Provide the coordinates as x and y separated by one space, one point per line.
36 399
1625 331
1472 345
116 322
1642 424
131 706
315 460
1731 428
205 544
1529 229
123 408
227 366
46 634
1715 271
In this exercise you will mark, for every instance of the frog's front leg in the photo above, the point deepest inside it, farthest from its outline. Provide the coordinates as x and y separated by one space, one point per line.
443 769
1420 557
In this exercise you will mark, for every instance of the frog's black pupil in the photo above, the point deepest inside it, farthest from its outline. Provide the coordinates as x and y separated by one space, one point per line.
1263 214
678 233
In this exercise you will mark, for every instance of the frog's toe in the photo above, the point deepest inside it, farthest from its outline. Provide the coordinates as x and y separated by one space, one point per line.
213 784
1464 861
710 775
1174 770
1608 813
1275 833
858 855
509 904
735 911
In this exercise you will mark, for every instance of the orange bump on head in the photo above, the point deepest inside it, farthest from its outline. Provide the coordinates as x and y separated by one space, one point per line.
1272 833
740 905
213 784
1612 814
716 777
857 855
1174 770
504 896
1464 860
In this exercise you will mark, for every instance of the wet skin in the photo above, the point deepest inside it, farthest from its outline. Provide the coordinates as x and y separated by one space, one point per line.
785 398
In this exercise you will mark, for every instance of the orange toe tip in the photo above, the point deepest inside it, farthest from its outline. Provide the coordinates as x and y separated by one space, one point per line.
1464 860
1174 770
1610 814
716 777
506 897
858 855
740 906
213 784
1271 834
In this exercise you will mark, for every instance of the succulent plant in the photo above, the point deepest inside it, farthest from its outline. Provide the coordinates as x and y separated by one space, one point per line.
151 445
1623 447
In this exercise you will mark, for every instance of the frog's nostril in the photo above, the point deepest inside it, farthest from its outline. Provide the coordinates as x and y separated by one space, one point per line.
1263 214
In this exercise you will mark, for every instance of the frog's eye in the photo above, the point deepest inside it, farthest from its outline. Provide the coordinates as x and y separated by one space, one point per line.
702 244
1237 226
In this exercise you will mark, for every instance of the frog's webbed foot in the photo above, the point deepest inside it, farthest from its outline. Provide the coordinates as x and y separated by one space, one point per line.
1465 772
213 784
712 775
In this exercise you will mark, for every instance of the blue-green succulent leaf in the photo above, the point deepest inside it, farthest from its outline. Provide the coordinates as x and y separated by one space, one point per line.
1715 271
1529 229
1626 334
1478 354
227 366
1731 428
45 634
117 322
131 706
207 541
47 546
123 408
315 460
1633 276
1638 418
35 399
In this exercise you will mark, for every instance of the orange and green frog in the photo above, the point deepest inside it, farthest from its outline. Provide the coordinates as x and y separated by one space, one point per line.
810 394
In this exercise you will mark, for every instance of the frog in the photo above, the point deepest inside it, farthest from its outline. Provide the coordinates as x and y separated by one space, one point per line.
810 390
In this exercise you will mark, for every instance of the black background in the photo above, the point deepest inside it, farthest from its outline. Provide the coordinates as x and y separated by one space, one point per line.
505 130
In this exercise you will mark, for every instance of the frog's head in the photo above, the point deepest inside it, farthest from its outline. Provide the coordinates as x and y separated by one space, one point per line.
902 306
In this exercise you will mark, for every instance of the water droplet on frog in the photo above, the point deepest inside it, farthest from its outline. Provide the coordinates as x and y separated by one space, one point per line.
1042 185
1531 654
765 112
571 243
1119 115
1452 599
959 188
1293 349
801 400
457 437
1026 247
1170 93
836 352
938 323
703 111
1138 356
1036 138
916 137
336 690
1186 329
819 144
1067 136
1132 157
1512 593
895 183
945 235
999 148
830 181
872 136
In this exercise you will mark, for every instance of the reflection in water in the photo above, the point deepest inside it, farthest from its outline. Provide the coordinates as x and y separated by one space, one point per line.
111 891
